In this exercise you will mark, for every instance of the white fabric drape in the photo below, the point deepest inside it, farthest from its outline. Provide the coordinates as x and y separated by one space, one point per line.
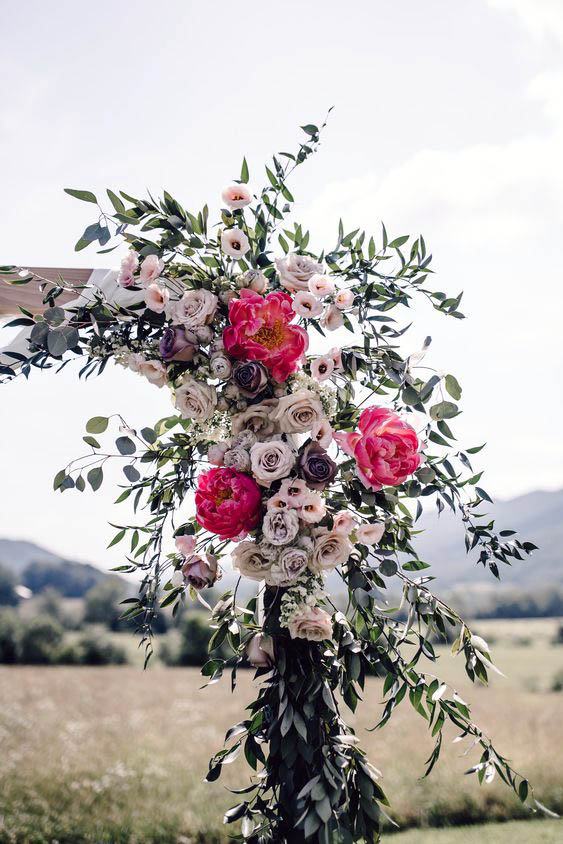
103 281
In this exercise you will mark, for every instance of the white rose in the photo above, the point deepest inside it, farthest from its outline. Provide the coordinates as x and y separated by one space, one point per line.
331 549
296 270
195 400
271 461
298 412
287 568
249 560
195 309
280 527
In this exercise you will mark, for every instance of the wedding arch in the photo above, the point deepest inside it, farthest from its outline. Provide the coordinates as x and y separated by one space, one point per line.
303 466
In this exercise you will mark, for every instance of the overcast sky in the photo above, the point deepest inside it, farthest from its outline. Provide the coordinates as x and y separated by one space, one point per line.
448 121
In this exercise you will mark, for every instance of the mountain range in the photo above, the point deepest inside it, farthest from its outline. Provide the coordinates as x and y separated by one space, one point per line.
537 516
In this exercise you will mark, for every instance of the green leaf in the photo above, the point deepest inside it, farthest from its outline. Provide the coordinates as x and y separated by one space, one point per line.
59 478
443 410
125 445
244 175
84 195
115 201
97 424
453 388
117 538
91 441
56 343
95 477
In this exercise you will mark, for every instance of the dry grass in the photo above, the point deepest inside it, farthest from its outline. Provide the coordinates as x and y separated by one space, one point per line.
115 754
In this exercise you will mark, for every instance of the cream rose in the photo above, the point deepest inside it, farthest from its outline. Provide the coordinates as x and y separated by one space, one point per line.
296 270
280 527
298 412
287 568
270 461
153 370
195 399
248 559
195 309
220 367
258 419
260 650
311 623
331 549
237 458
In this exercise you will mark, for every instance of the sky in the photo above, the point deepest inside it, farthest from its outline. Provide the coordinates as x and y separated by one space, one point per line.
448 120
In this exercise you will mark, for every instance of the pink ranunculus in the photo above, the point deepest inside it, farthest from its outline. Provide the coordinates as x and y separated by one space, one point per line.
260 330
344 299
386 449
236 196
151 268
306 304
228 503
332 318
370 534
156 297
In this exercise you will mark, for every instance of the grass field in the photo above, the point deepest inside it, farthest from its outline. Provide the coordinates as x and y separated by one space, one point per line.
118 755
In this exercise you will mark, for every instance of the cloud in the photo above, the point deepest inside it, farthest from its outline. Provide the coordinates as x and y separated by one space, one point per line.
541 18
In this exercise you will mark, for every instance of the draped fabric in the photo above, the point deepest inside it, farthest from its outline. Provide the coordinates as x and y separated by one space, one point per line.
103 281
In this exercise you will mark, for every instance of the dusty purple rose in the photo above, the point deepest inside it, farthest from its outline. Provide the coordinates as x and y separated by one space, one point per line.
250 377
316 467
177 344
199 572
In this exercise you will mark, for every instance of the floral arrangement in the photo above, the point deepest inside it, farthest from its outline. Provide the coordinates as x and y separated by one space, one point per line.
307 468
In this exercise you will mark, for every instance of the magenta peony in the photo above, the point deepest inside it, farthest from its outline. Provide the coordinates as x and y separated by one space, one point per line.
260 330
386 449
228 503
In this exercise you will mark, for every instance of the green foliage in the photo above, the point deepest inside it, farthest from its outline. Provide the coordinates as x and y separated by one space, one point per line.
8 595
92 648
40 641
9 637
102 603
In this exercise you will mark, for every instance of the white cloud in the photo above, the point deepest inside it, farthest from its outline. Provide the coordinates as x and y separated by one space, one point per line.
542 18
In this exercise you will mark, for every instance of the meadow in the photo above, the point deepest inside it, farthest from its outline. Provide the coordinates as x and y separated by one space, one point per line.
117 755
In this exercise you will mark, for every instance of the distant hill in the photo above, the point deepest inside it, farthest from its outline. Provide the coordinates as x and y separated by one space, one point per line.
537 516
39 569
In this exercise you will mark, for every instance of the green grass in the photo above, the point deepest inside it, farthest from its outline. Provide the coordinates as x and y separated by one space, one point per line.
117 755
524 832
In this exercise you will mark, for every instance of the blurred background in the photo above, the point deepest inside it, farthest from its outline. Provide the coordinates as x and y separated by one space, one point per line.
447 121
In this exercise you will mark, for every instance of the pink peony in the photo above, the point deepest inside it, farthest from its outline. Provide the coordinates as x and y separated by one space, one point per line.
386 448
228 503
260 330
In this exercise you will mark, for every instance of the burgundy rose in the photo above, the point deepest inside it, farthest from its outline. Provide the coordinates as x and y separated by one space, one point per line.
316 467
250 377
177 344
